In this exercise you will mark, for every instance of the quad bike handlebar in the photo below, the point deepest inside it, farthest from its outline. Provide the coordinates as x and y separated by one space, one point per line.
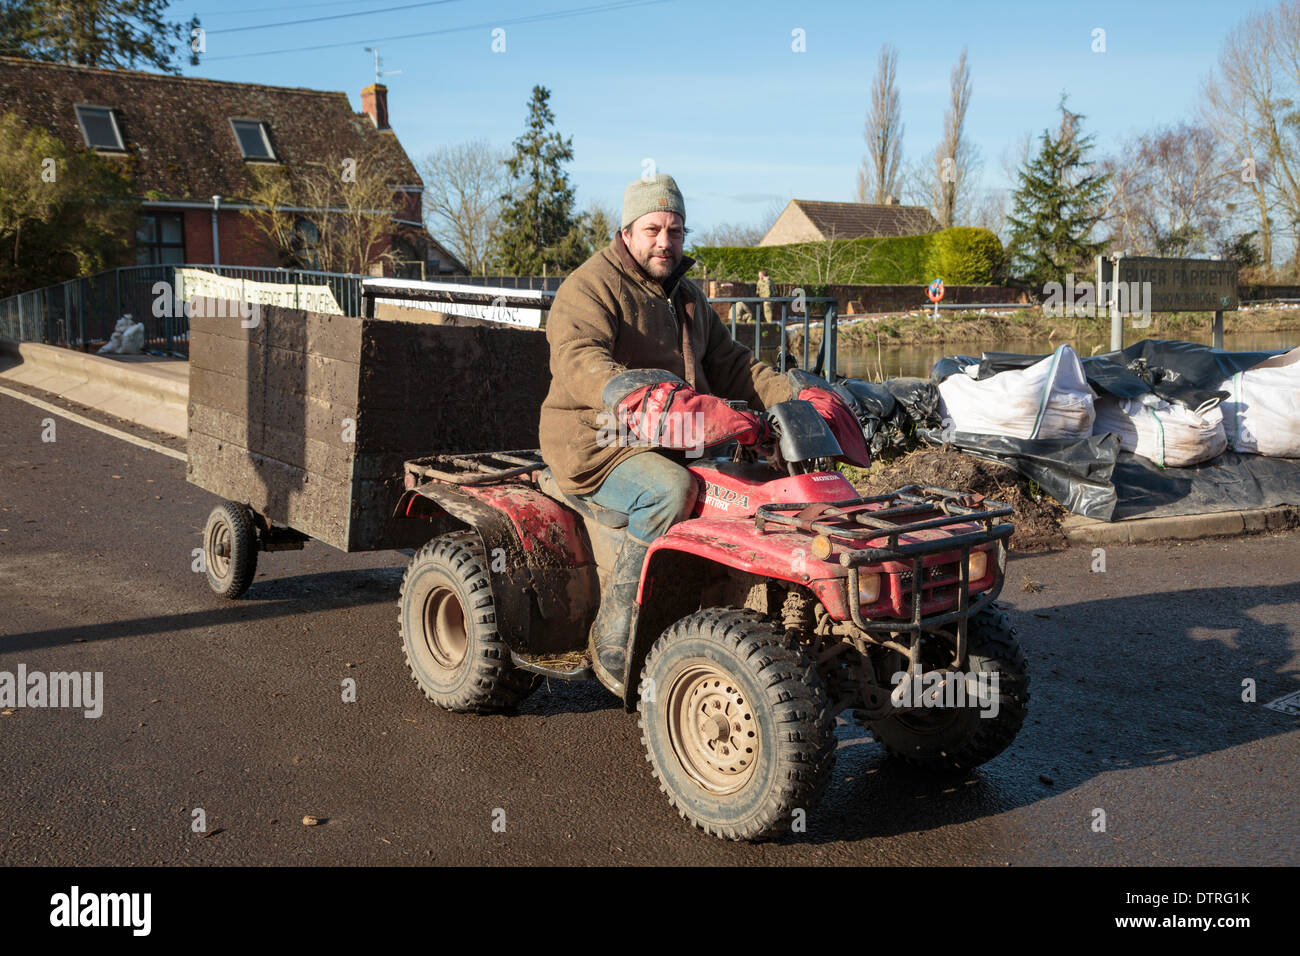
801 439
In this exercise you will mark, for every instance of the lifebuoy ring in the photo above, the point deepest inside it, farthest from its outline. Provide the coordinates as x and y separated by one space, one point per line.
935 292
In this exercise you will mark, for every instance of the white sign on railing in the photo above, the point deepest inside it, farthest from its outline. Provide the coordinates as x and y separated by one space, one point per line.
492 312
200 284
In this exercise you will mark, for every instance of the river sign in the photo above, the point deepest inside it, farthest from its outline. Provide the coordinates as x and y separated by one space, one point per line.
1177 285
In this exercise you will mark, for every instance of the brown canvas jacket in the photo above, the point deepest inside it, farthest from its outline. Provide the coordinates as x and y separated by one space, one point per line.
610 316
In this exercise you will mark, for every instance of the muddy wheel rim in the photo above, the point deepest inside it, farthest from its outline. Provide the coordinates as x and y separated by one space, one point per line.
712 728
444 628
219 544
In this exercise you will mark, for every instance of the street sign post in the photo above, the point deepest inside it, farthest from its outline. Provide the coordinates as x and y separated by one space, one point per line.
1151 284
934 293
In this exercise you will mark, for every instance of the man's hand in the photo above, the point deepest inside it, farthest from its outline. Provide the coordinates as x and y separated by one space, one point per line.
843 425
671 414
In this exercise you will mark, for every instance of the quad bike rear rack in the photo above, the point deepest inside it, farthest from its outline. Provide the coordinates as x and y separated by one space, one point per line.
477 468
866 519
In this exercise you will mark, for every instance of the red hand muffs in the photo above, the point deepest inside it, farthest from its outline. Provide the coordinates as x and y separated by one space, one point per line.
842 424
674 415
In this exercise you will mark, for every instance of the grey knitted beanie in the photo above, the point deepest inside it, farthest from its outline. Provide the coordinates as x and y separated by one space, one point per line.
658 193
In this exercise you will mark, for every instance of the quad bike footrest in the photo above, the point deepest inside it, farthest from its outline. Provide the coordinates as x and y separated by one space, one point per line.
576 665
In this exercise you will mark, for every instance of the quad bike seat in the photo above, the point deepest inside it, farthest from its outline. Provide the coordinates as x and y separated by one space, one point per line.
547 484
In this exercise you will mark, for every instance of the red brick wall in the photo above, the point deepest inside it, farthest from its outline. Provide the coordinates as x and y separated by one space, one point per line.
878 298
241 245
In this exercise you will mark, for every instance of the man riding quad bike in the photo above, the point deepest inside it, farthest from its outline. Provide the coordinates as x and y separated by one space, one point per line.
739 601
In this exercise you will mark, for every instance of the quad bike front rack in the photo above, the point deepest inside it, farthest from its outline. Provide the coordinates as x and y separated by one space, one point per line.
866 520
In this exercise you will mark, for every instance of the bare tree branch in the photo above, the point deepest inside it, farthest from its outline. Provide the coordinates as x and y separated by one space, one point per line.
878 176
463 185
955 158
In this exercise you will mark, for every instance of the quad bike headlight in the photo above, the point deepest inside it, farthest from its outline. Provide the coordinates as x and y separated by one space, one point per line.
868 588
978 564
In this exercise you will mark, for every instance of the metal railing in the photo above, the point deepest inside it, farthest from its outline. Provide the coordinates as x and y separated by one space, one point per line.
544 283
822 308
83 312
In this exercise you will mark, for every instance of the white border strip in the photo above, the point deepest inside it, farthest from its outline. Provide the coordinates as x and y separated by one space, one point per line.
82 420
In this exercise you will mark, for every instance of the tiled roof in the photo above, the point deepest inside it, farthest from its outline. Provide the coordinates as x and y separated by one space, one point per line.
854 220
178 130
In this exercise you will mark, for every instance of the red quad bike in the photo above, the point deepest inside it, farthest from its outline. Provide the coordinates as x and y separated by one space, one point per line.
785 600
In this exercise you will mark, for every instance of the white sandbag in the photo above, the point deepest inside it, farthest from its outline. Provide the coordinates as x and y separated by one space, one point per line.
133 339
1172 436
1261 414
1049 399
114 344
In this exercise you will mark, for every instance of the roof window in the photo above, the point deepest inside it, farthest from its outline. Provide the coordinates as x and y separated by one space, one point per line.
254 141
99 127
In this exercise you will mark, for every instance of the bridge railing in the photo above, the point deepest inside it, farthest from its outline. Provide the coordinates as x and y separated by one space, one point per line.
82 313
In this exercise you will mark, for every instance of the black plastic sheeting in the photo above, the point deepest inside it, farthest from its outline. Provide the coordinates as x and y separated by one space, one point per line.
1078 474
1092 477
888 411
1230 482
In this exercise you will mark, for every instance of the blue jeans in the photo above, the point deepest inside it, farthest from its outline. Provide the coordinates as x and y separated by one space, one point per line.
654 492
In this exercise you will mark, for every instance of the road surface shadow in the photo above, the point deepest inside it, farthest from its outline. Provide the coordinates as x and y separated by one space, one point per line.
1115 684
266 599
568 697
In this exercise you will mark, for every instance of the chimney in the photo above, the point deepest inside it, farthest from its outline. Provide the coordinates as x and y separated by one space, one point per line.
374 103
892 201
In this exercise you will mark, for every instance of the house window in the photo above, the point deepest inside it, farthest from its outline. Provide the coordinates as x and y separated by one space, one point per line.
160 239
254 139
100 129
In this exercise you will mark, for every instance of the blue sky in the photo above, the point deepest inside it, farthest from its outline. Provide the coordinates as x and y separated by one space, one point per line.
714 93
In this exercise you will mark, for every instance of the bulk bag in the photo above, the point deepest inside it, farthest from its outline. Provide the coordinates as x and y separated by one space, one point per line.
1049 399
1261 414
1172 436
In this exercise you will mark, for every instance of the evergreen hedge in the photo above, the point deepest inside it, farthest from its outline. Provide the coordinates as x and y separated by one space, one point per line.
965 256
960 256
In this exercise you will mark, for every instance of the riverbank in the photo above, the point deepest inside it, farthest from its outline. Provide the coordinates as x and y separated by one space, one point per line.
1021 325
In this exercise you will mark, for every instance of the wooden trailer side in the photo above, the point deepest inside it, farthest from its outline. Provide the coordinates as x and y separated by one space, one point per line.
308 417
269 408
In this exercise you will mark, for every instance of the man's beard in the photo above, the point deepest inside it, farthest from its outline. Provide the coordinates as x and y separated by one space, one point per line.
660 268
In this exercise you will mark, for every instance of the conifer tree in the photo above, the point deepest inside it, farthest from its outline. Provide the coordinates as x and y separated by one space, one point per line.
103 33
537 221
1058 200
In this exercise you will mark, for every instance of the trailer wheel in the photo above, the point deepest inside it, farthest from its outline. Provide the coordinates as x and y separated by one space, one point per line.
230 549
447 616
737 726
956 739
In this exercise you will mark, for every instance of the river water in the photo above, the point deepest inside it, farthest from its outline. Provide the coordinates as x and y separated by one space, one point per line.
859 361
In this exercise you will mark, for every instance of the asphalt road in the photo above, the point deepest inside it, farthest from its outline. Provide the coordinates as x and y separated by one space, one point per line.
236 708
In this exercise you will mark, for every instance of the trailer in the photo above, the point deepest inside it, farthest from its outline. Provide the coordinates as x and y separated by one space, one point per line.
303 421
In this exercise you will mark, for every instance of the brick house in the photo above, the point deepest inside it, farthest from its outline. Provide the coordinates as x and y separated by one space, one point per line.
804 220
191 143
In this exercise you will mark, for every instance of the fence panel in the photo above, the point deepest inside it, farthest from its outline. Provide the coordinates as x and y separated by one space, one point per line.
82 313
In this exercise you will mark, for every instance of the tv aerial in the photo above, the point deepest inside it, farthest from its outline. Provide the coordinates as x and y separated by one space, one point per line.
379 63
